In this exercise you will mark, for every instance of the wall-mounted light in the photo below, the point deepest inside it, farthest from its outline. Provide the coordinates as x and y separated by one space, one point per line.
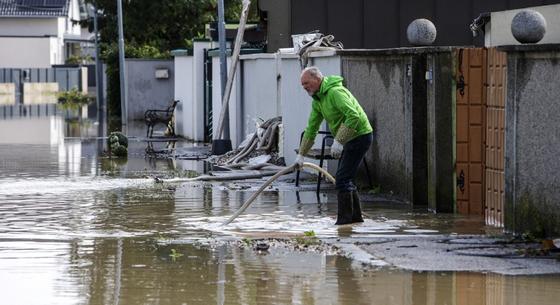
162 73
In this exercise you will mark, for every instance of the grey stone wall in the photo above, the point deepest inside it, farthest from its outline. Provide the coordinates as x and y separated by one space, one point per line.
532 144
379 83
413 153
145 91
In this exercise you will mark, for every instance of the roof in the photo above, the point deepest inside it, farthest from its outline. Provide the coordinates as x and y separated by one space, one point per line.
34 8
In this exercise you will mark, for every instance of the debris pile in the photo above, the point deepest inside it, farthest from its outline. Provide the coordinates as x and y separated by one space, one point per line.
261 147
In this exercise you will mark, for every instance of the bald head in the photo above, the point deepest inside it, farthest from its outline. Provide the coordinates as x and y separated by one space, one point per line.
313 72
311 79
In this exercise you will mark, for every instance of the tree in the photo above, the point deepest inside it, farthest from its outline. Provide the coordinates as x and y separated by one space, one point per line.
151 30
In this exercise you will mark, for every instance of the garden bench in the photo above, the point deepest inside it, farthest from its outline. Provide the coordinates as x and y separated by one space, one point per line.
152 117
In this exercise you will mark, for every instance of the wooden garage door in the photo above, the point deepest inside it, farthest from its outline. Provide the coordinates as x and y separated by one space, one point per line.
470 130
495 127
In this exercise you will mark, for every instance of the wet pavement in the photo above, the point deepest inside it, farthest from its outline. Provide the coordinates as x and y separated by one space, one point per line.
80 228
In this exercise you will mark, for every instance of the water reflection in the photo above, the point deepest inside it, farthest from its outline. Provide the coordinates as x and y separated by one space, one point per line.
79 228
141 271
38 130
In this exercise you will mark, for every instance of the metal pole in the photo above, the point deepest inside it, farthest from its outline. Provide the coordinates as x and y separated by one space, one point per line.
101 107
221 142
234 62
223 64
122 69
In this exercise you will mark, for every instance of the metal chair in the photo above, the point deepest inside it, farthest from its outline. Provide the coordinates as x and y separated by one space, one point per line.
324 153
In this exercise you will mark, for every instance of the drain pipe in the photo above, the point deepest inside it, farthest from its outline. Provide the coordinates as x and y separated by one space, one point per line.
270 180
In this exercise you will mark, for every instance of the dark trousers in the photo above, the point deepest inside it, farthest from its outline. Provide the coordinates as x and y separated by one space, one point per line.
352 155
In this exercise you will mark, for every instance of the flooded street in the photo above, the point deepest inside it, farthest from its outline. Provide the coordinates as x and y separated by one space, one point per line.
79 228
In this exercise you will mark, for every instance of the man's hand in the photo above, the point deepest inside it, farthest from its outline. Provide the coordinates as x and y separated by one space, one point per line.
299 161
336 149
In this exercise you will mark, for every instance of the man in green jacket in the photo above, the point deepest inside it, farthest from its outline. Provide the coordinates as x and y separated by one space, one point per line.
352 135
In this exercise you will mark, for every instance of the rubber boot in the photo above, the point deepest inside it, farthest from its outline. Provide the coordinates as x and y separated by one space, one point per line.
344 215
356 208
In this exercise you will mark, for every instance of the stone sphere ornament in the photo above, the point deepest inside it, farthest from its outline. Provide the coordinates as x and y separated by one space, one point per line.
528 26
421 32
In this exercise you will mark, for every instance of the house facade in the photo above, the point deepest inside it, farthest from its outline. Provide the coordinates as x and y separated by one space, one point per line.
38 33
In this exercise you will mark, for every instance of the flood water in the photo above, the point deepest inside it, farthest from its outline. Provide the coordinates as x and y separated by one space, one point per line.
78 228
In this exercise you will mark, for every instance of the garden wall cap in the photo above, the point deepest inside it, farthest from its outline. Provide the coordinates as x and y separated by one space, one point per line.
548 47
181 52
399 51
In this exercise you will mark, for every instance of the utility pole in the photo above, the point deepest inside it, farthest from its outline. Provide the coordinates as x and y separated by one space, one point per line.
122 70
101 106
221 145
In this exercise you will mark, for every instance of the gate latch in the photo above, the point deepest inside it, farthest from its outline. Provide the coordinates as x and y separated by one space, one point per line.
461 182
461 85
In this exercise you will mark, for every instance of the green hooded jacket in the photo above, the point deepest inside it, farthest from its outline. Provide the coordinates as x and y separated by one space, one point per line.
335 104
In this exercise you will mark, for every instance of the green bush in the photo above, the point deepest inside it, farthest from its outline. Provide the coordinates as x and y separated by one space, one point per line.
119 150
73 99
117 137
118 144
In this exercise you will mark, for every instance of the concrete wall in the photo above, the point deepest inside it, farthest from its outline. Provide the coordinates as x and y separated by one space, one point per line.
379 82
532 143
145 91
412 114
29 52
498 31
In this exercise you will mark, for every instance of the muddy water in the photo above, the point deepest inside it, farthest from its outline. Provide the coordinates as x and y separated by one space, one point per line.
76 228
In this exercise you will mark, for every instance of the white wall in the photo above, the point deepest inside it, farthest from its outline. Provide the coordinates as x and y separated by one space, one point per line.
296 104
498 32
28 52
260 96
270 87
29 26
184 92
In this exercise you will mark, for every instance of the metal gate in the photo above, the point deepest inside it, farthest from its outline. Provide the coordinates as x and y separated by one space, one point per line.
208 126
495 128
67 78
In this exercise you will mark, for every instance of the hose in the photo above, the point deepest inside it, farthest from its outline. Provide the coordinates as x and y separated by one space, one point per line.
270 180
270 138
252 175
244 149
246 153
